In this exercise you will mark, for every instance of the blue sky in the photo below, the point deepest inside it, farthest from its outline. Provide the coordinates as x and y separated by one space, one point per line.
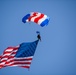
56 53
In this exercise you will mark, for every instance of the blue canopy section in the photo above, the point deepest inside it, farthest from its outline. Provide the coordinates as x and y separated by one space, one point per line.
45 22
25 18
27 49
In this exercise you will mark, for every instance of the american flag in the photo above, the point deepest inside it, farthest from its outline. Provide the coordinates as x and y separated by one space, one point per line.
21 55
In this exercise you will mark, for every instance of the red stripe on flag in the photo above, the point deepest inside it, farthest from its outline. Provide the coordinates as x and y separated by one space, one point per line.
25 66
24 59
17 63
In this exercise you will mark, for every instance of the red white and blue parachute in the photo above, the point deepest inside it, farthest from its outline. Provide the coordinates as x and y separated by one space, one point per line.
39 18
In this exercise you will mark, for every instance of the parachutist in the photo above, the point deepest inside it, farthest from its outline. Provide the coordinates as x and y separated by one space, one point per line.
39 37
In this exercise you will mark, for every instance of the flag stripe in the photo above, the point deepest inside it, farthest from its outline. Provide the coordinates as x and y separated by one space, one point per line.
21 65
25 66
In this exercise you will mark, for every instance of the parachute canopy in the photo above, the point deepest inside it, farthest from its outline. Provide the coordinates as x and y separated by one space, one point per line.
39 18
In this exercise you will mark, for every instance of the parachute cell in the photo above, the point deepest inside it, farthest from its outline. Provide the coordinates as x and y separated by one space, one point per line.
38 18
25 18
